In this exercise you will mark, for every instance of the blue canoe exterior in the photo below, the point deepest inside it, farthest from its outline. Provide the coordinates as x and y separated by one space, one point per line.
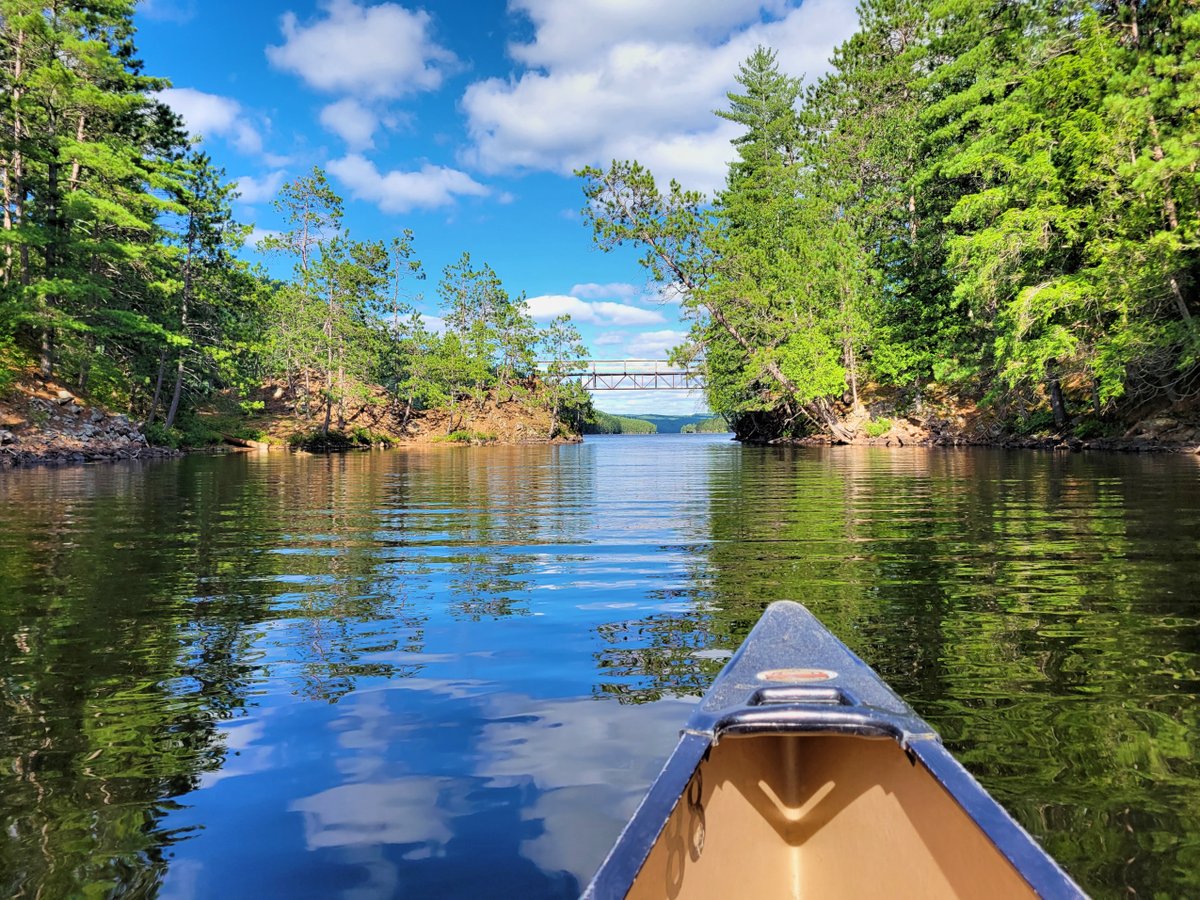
802 773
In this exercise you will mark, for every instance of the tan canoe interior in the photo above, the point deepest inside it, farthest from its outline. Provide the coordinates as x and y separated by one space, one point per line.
821 816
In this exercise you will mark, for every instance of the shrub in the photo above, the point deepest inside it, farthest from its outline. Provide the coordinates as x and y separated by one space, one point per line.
1091 428
1038 421
158 436
466 436
877 427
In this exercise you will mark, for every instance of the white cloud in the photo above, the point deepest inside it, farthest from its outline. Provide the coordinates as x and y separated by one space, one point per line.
257 234
397 811
617 290
352 122
211 115
436 324
638 81
609 339
621 314
583 29
374 51
655 344
548 306
396 191
257 190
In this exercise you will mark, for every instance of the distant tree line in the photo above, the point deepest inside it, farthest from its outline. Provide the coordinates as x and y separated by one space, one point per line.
598 422
996 198
713 425
120 275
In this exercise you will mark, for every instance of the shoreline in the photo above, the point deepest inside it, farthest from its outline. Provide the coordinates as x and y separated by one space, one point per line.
63 453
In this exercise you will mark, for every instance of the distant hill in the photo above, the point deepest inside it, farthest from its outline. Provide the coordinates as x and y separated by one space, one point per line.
674 424
715 425
608 423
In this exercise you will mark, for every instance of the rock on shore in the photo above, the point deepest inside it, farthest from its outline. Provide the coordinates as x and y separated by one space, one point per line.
42 423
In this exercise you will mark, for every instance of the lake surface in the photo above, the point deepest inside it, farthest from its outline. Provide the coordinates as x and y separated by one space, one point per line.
453 672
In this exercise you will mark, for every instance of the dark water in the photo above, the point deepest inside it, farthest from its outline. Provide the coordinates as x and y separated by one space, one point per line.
454 672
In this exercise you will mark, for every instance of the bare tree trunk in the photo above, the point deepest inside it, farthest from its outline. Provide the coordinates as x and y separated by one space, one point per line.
176 394
328 376
342 384
1057 403
46 353
76 166
8 223
183 321
848 352
158 383
1172 213
52 252
16 193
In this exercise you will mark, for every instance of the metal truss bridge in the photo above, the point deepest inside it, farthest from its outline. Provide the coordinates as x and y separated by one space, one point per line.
632 375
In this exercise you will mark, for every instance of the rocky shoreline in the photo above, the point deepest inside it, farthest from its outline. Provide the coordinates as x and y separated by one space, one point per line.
54 428
1154 434
48 425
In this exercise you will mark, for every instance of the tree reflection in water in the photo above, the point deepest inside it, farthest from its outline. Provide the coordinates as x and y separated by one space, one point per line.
455 672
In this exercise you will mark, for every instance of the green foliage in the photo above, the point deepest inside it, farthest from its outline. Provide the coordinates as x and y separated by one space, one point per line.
599 422
158 435
999 197
1040 421
12 361
466 436
713 425
321 441
1086 429
877 427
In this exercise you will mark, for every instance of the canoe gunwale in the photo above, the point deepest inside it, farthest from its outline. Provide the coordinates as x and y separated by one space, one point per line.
739 705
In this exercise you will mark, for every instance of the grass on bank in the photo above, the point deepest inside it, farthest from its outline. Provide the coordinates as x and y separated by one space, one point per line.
466 436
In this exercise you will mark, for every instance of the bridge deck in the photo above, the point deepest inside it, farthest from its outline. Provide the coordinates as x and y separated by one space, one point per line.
632 375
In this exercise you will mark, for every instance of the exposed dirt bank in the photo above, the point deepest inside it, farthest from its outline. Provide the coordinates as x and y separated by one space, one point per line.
43 422
378 418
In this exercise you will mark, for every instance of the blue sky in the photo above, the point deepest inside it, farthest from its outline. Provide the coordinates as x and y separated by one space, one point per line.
464 119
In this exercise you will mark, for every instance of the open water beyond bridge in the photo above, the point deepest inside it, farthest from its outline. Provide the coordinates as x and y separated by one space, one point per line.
632 375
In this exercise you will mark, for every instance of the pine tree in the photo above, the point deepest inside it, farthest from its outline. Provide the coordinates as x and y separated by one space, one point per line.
82 144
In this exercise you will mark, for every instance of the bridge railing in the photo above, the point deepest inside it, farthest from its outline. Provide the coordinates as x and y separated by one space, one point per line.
617 367
628 374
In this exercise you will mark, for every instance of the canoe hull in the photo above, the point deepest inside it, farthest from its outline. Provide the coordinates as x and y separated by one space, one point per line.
802 774
821 816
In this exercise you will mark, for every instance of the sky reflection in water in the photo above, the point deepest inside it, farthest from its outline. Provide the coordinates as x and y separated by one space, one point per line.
454 673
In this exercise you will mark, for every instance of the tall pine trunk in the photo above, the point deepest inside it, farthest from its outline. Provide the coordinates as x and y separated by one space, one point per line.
328 371
183 321
341 384
14 181
158 383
